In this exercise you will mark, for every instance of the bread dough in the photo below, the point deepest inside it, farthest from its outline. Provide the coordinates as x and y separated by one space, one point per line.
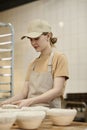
9 106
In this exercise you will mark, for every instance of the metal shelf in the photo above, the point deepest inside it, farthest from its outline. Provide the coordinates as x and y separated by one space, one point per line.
6 59
5 43
5 50
5 35
5 91
5 67
5 83
6 75
6 47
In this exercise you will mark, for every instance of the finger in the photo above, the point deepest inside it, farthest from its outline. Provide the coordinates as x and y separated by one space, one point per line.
21 105
2 103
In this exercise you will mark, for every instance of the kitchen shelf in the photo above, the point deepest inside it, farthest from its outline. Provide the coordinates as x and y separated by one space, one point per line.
5 43
6 58
5 50
5 91
5 83
5 35
5 67
6 75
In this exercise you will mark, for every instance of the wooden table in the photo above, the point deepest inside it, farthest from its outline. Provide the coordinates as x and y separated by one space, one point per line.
47 125
73 126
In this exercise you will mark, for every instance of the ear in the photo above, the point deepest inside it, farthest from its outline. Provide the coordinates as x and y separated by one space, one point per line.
49 35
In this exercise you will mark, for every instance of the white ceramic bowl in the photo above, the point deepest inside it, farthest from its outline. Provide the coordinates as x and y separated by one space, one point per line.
62 116
30 119
7 120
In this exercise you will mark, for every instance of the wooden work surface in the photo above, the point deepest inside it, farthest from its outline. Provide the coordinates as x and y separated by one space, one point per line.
47 125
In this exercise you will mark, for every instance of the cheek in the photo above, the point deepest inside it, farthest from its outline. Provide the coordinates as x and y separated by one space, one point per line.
42 43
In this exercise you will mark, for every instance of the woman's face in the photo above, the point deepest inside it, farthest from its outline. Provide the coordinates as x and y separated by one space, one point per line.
40 43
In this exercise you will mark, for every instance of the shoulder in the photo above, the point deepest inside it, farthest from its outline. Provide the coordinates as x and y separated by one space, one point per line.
60 65
59 56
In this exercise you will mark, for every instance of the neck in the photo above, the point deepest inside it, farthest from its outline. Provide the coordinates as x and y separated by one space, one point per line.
47 51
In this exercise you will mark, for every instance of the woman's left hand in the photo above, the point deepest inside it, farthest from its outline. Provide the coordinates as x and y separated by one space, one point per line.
24 102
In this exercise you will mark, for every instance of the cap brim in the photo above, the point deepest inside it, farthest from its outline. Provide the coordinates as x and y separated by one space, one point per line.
32 35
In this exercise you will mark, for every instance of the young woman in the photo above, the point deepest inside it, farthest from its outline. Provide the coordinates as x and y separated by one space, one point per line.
46 76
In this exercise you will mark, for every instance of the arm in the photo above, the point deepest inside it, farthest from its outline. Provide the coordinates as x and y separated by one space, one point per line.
47 96
23 94
53 93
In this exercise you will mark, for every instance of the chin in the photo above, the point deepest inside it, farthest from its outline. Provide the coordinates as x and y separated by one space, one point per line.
38 50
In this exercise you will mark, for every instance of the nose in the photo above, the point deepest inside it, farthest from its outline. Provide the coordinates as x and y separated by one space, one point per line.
33 41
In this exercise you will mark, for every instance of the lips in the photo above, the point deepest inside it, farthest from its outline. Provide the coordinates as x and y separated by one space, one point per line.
36 47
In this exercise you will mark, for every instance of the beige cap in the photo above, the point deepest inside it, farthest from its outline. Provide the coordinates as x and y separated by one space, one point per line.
37 27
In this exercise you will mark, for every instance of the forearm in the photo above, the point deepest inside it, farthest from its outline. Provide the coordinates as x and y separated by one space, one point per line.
56 91
47 96
15 98
44 98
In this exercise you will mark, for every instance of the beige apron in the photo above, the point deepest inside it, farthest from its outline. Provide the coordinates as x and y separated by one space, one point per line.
40 83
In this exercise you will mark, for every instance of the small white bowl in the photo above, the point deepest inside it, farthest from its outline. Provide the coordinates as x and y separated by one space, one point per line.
7 120
30 119
62 116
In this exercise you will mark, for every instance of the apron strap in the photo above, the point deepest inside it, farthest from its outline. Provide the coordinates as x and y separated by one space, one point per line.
50 62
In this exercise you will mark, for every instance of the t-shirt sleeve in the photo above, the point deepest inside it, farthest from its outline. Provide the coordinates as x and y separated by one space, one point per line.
60 66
